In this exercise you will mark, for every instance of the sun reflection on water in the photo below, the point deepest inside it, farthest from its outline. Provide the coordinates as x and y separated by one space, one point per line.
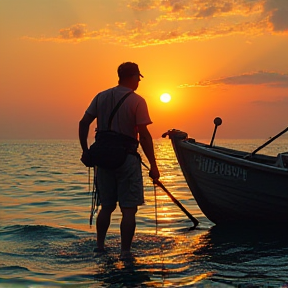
45 209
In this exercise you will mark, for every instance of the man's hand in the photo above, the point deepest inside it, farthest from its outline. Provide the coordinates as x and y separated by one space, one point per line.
85 159
154 172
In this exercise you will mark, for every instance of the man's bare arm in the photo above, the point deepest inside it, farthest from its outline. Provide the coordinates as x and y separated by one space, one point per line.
84 125
146 143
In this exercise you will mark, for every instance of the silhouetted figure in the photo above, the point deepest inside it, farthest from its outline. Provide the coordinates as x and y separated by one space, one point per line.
124 184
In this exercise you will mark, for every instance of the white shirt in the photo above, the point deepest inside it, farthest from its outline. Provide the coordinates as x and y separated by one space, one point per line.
132 112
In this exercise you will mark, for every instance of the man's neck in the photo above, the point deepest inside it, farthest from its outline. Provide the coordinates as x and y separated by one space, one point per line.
127 85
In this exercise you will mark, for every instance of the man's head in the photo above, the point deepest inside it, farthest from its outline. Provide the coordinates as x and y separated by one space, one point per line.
128 69
129 75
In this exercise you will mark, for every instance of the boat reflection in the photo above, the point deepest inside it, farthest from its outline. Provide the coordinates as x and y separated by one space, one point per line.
243 254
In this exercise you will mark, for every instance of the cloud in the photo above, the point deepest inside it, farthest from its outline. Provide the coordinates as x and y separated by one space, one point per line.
282 103
142 5
277 11
156 22
75 33
272 79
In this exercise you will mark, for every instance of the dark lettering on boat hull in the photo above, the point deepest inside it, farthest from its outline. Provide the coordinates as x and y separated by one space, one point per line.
217 167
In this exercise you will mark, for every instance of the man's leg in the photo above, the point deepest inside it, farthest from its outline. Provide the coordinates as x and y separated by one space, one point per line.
128 224
102 224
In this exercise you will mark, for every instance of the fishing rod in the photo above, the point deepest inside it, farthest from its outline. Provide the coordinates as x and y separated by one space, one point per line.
192 218
155 200
269 141
95 201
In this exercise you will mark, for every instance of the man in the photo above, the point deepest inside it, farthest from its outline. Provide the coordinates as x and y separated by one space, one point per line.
124 184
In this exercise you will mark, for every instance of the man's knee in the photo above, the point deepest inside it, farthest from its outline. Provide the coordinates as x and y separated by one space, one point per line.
129 210
108 209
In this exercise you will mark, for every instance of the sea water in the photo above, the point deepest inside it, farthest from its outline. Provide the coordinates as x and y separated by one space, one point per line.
46 239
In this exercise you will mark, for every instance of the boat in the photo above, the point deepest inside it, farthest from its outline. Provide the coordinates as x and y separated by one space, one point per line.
232 186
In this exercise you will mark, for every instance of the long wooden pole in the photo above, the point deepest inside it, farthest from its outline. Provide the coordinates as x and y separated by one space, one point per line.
193 219
269 141
157 182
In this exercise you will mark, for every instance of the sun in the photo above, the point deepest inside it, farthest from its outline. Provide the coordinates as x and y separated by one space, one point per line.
165 97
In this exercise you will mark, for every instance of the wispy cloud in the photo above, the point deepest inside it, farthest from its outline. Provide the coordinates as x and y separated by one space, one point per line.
272 79
155 22
283 102
75 33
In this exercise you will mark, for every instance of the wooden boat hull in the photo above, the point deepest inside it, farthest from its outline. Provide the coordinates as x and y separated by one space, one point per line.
229 188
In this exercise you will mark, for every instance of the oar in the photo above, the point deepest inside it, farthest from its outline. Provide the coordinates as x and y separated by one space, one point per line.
217 122
269 141
193 219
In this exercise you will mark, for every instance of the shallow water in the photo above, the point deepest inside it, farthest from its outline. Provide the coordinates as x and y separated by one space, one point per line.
46 240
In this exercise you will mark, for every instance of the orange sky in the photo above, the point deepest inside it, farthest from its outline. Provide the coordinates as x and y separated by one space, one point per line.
216 58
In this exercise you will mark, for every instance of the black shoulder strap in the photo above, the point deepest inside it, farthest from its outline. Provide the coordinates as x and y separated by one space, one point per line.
116 108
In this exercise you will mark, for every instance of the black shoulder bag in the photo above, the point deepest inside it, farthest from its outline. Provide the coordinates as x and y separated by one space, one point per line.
110 149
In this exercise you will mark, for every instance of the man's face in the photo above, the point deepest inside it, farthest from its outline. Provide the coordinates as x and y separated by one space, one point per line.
135 81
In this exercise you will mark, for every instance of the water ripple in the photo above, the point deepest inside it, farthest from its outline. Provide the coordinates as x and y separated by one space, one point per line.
46 239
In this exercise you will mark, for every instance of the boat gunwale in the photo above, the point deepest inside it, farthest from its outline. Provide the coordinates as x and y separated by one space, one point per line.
209 151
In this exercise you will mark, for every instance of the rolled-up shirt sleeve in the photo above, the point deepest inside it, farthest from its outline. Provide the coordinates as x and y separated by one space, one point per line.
92 108
142 114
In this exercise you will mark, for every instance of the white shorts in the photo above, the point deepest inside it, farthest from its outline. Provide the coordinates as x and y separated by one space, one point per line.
123 185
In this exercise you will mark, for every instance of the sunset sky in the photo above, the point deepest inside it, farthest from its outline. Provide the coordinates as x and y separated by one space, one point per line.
225 58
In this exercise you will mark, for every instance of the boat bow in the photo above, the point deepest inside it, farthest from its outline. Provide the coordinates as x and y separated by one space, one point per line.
230 187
